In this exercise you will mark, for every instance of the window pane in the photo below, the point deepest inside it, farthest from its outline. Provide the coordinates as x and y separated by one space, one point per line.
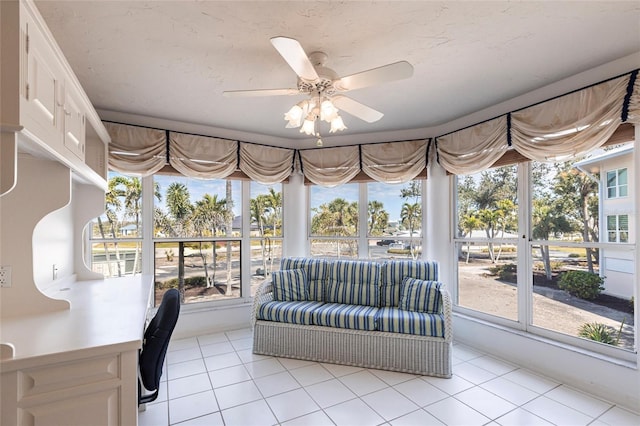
622 177
334 212
488 210
611 179
116 259
123 214
201 270
611 192
623 190
192 208
266 254
343 248
623 222
563 302
611 223
266 210
486 286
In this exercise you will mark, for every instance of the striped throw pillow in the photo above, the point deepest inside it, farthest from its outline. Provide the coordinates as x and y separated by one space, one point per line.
290 285
420 296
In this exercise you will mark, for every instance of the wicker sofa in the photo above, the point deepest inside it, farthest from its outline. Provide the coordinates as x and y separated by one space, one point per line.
393 315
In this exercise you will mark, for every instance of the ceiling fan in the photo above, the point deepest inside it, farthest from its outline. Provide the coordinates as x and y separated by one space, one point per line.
322 85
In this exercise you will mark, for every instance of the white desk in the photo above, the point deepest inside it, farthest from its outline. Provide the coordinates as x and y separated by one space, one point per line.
78 366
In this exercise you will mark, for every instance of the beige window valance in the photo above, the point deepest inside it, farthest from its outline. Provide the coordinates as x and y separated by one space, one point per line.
572 125
201 156
473 149
136 150
266 164
331 166
565 127
394 162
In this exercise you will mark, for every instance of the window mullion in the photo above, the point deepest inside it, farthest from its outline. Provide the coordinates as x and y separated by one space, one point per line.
148 257
524 247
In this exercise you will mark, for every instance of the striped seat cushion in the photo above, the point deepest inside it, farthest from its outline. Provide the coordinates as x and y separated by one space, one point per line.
353 283
393 272
420 296
315 270
419 323
355 317
290 312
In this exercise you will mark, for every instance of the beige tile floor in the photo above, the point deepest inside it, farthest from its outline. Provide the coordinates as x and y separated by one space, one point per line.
215 380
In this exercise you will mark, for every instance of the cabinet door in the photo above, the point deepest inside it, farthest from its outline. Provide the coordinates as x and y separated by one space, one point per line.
42 91
74 125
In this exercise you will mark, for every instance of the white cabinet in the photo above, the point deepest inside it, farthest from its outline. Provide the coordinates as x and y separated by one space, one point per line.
73 125
52 109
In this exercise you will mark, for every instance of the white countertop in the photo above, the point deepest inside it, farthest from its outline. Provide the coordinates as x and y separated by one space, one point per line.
106 316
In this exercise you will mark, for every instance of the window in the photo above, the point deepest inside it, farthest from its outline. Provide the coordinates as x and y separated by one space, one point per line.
265 208
617 185
116 235
334 220
618 228
538 283
486 242
394 220
197 237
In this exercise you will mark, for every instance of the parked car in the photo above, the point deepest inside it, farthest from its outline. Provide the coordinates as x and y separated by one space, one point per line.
385 242
398 246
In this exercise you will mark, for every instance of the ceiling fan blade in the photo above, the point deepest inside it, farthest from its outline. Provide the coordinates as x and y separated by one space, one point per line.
356 109
261 92
396 71
294 54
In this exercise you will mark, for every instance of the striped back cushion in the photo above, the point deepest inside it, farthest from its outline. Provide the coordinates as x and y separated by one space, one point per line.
393 272
290 285
420 296
353 282
316 271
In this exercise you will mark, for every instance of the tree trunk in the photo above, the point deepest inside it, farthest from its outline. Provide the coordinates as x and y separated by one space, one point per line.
115 245
546 260
106 246
585 234
203 256
181 270
229 233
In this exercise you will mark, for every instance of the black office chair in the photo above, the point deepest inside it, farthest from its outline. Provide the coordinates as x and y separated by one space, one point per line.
154 346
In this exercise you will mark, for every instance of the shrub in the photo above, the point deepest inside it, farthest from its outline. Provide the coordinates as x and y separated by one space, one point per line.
585 285
574 255
199 281
506 272
598 332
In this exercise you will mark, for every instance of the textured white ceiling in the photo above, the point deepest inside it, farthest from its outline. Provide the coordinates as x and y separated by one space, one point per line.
173 59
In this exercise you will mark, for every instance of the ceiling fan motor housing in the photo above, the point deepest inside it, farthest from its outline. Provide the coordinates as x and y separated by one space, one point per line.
326 76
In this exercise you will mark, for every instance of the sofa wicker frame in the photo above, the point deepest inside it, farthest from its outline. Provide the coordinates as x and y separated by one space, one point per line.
405 353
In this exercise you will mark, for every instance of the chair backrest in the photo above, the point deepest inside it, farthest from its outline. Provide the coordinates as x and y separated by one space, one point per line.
156 339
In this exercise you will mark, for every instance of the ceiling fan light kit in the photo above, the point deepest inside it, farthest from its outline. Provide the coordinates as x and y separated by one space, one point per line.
321 85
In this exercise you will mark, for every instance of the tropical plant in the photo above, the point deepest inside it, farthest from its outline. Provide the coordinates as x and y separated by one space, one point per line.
411 217
582 284
378 217
598 332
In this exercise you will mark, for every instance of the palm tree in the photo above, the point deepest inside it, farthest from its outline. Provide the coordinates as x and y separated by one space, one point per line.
259 207
112 205
469 223
180 208
209 216
229 231
378 217
411 216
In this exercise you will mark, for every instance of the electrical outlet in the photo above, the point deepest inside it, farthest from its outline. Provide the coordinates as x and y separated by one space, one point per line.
5 276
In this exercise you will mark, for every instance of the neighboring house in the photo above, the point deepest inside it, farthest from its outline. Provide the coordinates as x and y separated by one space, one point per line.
615 174
129 230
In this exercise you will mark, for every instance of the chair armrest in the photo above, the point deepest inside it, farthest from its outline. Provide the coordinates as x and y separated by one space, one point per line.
446 312
264 294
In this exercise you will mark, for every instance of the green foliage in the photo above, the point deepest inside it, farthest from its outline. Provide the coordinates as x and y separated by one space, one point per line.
199 281
598 332
506 272
573 255
585 285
